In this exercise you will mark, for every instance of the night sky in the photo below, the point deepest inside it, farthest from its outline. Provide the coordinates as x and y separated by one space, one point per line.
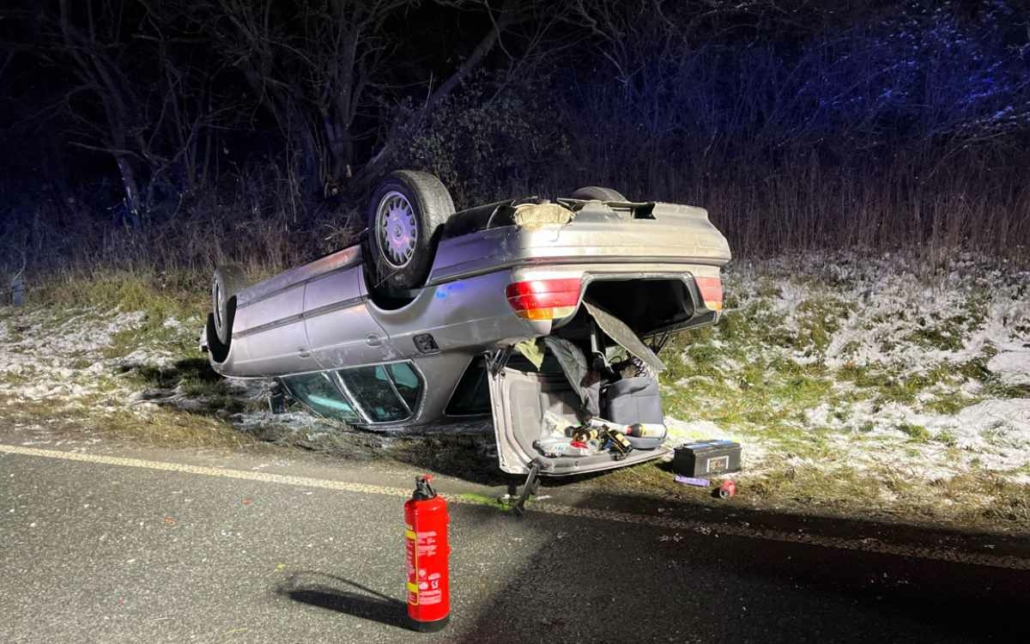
833 121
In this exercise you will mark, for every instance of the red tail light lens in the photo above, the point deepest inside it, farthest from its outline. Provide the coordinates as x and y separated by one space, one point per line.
711 291
544 299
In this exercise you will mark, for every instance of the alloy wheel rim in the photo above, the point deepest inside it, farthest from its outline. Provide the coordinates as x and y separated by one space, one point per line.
396 229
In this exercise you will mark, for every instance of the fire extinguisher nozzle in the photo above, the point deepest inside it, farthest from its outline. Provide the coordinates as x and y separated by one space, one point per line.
423 489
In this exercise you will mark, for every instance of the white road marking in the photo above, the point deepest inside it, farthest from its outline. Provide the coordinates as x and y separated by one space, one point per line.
683 525
263 477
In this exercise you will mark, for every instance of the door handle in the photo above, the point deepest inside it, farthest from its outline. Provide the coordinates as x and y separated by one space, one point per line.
373 340
303 353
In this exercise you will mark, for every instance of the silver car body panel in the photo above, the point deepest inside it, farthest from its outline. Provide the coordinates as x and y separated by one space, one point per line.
339 300
339 260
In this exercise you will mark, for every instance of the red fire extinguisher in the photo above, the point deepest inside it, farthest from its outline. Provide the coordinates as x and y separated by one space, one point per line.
425 537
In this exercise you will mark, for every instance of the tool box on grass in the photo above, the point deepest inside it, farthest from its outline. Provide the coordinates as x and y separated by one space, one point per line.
706 458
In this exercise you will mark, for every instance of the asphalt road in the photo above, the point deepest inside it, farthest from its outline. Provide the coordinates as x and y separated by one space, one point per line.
96 552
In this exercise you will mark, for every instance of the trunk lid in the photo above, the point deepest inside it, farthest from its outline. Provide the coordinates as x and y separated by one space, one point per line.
522 400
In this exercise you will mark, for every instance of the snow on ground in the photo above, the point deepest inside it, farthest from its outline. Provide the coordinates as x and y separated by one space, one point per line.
1012 367
43 355
840 361
993 435
902 316
92 361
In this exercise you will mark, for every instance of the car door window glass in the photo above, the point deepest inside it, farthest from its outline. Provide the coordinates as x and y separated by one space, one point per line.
407 382
386 393
317 391
472 395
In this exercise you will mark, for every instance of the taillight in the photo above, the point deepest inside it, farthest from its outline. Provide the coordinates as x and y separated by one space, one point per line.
711 291
544 299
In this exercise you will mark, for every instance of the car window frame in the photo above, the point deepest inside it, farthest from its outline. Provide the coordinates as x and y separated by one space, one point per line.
332 380
395 381
414 412
333 376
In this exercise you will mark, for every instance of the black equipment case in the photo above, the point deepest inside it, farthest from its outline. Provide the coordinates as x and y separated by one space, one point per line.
706 458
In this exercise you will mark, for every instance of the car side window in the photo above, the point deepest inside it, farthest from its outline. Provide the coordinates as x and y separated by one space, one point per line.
409 385
317 391
472 395
386 393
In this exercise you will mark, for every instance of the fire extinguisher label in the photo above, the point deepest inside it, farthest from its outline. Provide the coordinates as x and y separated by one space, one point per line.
423 588
427 544
409 545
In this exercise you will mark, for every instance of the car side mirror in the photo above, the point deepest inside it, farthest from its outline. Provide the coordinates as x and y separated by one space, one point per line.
278 400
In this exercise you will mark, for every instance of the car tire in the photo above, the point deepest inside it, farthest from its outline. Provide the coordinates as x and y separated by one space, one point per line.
598 193
227 282
407 211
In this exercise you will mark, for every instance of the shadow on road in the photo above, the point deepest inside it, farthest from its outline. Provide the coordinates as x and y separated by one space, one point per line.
344 596
557 578
591 580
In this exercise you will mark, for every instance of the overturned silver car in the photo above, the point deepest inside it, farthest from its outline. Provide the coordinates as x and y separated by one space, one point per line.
546 315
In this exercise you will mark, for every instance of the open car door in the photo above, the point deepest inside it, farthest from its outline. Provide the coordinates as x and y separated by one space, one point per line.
526 403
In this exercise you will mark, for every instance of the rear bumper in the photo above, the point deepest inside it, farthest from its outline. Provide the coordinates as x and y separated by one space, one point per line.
679 235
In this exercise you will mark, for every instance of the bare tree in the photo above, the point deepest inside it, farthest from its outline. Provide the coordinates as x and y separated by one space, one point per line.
93 50
133 98
314 67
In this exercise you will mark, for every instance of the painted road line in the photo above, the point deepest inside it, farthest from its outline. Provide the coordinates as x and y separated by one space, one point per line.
182 468
682 525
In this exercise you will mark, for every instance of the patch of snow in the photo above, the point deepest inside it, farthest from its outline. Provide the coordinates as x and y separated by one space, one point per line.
1012 367
172 323
149 356
993 434
997 430
295 422
62 359
899 320
681 431
897 311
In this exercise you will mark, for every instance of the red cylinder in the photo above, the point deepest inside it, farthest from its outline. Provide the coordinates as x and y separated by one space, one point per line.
425 538
727 489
